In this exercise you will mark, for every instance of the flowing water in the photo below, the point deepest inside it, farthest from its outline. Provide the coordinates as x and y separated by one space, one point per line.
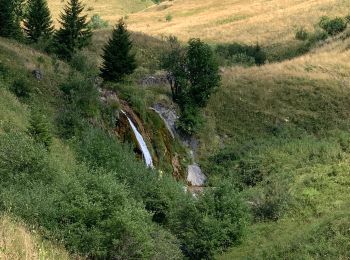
142 144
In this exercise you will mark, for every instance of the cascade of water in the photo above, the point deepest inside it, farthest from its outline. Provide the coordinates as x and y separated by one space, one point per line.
144 149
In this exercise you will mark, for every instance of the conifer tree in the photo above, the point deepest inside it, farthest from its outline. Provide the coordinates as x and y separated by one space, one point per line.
74 33
118 60
38 22
9 18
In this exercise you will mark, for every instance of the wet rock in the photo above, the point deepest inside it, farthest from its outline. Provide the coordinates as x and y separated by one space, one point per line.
168 115
195 176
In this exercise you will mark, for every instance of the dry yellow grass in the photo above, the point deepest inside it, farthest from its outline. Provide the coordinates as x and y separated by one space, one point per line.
235 20
110 10
18 243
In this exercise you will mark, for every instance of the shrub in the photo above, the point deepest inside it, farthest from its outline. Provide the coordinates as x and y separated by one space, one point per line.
301 34
82 94
168 17
85 208
40 128
84 63
332 26
21 88
189 121
236 53
211 224
96 22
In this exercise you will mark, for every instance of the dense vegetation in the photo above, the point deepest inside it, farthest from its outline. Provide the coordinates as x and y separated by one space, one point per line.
276 144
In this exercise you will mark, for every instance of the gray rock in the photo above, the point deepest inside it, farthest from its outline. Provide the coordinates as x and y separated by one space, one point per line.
195 176
38 74
155 80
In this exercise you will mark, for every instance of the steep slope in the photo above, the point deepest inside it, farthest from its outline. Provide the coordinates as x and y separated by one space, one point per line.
108 10
18 242
282 136
239 20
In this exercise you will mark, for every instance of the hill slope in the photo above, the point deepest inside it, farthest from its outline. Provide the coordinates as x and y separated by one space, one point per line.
239 20
282 135
108 10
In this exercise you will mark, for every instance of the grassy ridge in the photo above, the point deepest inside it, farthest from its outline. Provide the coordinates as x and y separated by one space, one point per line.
241 20
108 10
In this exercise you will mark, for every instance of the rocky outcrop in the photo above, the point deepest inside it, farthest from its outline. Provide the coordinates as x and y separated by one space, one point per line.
156 80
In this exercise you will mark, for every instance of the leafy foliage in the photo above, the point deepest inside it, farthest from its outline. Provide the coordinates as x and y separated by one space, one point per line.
96 22
236 53
194 77
333 26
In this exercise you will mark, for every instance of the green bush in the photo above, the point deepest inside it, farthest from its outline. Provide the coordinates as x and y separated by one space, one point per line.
168 18
82 94
40 128
85 208
84 63
201 227
213 223
332 26
96 22
189 121
21 88
301 34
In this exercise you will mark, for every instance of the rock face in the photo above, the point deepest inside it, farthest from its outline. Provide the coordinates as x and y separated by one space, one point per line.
195 176
155 80
168 115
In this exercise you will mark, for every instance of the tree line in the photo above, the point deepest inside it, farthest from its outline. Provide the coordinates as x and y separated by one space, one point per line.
35 24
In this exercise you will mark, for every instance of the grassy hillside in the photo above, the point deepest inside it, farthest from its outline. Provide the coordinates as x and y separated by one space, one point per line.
18 242
282 136
111 11
240 20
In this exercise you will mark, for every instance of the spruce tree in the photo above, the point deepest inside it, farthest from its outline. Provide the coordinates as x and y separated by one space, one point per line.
74 33
38 22
9 18
118 60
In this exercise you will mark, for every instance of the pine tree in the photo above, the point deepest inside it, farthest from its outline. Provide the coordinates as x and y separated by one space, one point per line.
9 18
118 60
38 22
74 32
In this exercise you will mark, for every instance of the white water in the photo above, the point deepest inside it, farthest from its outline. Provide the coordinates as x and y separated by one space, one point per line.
145 152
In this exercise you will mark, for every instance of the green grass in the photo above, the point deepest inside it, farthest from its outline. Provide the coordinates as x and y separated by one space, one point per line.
280 134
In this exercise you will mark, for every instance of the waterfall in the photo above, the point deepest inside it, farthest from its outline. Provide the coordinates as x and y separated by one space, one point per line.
142 144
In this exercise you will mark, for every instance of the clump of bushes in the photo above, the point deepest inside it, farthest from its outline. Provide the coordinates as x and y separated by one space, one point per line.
21 88
236 53
333 26
96 22
301 34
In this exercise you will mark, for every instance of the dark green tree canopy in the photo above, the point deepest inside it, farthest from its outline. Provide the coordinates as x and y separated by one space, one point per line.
118 59
38 22
74 33
203 72
10 13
